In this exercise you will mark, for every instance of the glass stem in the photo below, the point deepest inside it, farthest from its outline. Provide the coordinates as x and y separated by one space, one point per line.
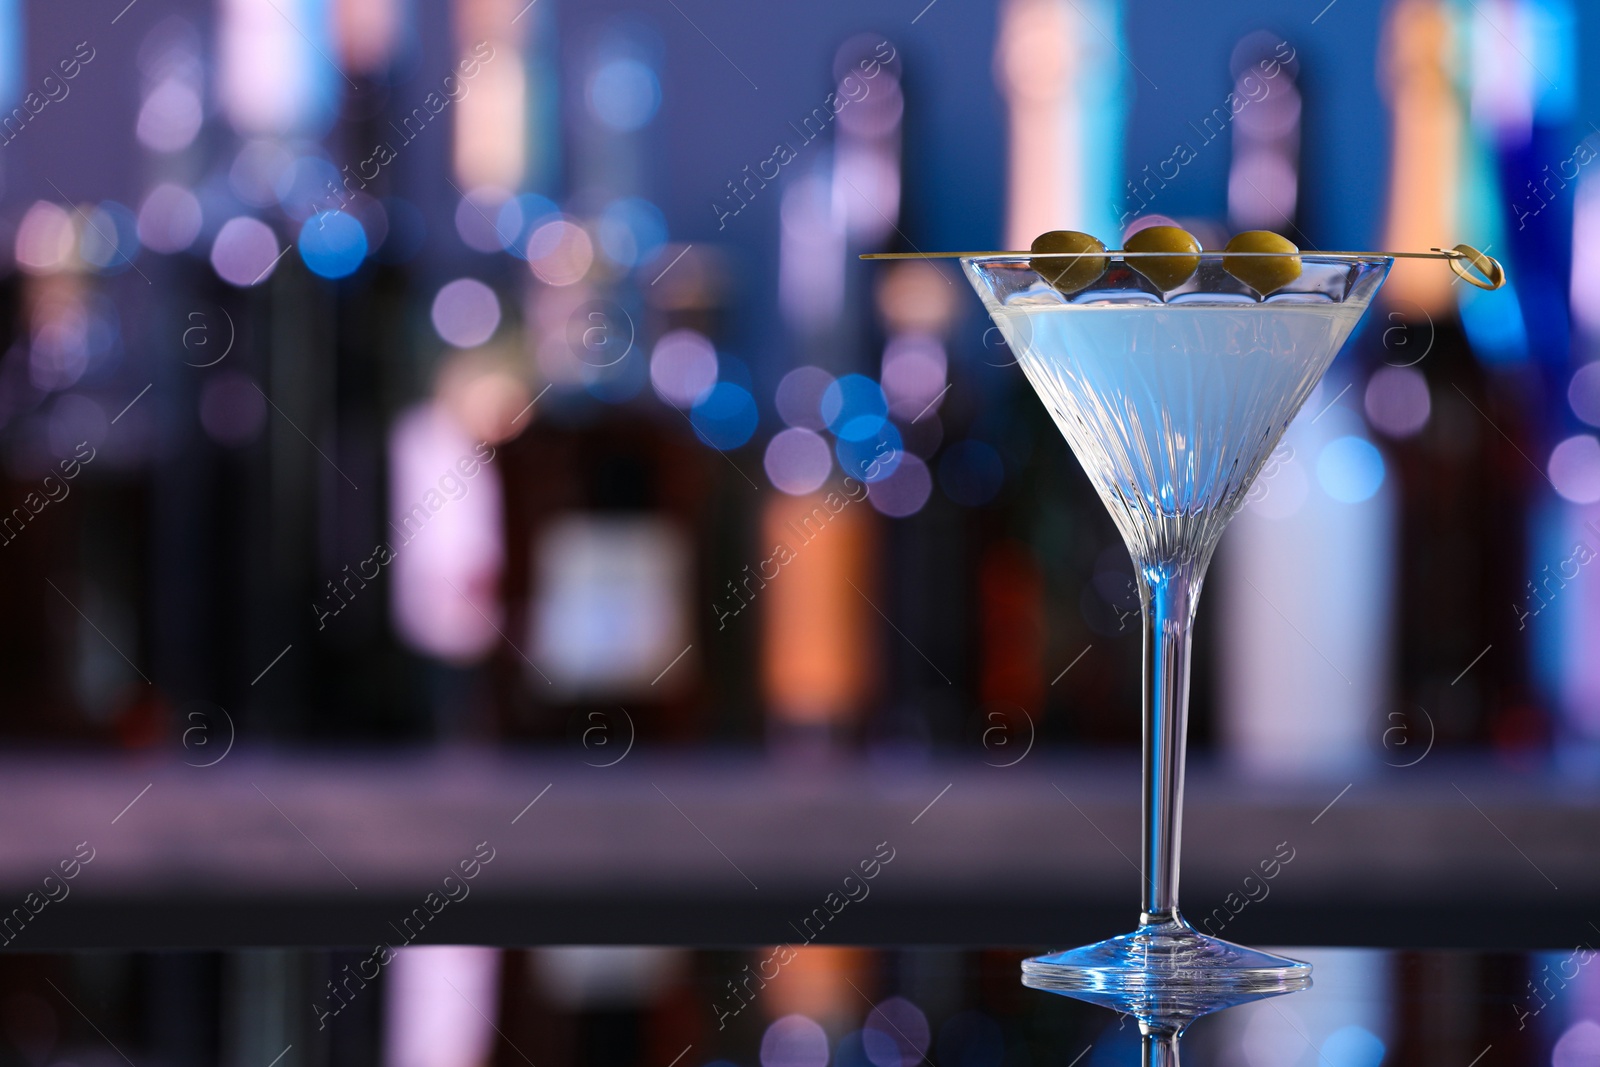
1158 1049
1168 592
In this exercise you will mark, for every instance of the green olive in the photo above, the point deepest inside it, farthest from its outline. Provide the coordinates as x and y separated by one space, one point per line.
1068 275
1168 272
1264 274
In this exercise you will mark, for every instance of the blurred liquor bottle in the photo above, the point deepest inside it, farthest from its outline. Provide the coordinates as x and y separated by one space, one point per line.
1476 463
1450 392
825 625
608 579
1051 587
1532 151
1314 543
262 428
47 306
352 567
625 530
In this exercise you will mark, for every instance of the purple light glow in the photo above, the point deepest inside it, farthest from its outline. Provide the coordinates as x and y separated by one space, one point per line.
914 367
896 1033
794 1041
905 490
466 313
1397 401
169 219
46 239
1575 469
683 368
799 461
1583 393
245 252
799 397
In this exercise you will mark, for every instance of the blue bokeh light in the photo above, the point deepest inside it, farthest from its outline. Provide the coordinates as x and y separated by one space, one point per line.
624 94
332 244
726 418
871 459
1350 469
632 231
1352 1046
854 407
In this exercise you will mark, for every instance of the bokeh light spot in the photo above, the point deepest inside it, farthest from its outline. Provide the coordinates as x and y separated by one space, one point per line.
1575 469
1583 393
1350 469
874 458
466 312
1352 1046
854 407
624 94
798 461
1578 1047
914 367
46 238
896 1033
169 219
726 418
683 368
332 244
799 397
794 1041
245 252
560 252
1397 401
905 490
170 116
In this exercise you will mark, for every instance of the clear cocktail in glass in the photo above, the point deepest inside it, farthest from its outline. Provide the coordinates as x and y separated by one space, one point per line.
1172 401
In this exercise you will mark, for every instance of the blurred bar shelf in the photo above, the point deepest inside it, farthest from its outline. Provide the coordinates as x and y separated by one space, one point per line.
268 848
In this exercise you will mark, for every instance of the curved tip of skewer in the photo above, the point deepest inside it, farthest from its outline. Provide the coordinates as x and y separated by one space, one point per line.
1473 266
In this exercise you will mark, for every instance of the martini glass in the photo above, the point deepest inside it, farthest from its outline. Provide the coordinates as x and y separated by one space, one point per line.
1172 401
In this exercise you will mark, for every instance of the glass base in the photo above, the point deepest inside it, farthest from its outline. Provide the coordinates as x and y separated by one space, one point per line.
1166 957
